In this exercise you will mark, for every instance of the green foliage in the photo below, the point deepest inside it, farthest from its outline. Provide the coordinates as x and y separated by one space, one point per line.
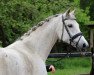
17 16
91 13
83 20
70 63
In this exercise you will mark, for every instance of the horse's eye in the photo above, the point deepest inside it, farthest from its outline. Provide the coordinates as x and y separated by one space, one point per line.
70 25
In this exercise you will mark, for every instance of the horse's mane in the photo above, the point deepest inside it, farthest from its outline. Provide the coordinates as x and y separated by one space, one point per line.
36 26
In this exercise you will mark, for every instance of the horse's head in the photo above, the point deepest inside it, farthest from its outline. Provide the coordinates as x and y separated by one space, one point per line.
68 30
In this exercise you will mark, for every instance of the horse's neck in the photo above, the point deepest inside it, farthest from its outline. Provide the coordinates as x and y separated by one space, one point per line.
40 41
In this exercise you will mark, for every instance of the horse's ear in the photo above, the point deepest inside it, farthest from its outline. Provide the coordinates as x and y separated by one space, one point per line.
67 12
72 12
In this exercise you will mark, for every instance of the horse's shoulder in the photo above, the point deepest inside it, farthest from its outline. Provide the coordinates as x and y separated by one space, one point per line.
13 56
13 60
17 55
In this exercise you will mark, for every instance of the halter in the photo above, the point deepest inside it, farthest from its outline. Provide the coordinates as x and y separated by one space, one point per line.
71 37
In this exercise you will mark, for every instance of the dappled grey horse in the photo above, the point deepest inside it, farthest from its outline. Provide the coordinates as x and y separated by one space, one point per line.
27 55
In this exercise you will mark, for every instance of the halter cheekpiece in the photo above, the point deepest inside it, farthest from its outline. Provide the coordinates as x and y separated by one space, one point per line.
71 37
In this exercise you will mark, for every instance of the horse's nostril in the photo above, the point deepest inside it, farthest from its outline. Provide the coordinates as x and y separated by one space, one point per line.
84 45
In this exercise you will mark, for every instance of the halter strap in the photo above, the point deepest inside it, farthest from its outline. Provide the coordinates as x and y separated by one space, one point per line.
71 37
75 36
63 21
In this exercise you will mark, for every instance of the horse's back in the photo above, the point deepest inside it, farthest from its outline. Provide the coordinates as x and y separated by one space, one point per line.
14 63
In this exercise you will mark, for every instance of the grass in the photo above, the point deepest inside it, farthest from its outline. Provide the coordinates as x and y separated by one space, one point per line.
71 71
71 66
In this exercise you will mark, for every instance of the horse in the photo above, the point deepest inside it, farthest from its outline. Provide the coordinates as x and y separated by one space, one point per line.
27 55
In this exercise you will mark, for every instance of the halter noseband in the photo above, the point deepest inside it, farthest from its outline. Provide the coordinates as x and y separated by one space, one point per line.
71 37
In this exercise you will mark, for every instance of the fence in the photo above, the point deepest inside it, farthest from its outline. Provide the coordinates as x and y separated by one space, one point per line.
63 55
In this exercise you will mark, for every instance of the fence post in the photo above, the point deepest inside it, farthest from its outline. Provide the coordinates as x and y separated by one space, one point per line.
91 26
91 39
